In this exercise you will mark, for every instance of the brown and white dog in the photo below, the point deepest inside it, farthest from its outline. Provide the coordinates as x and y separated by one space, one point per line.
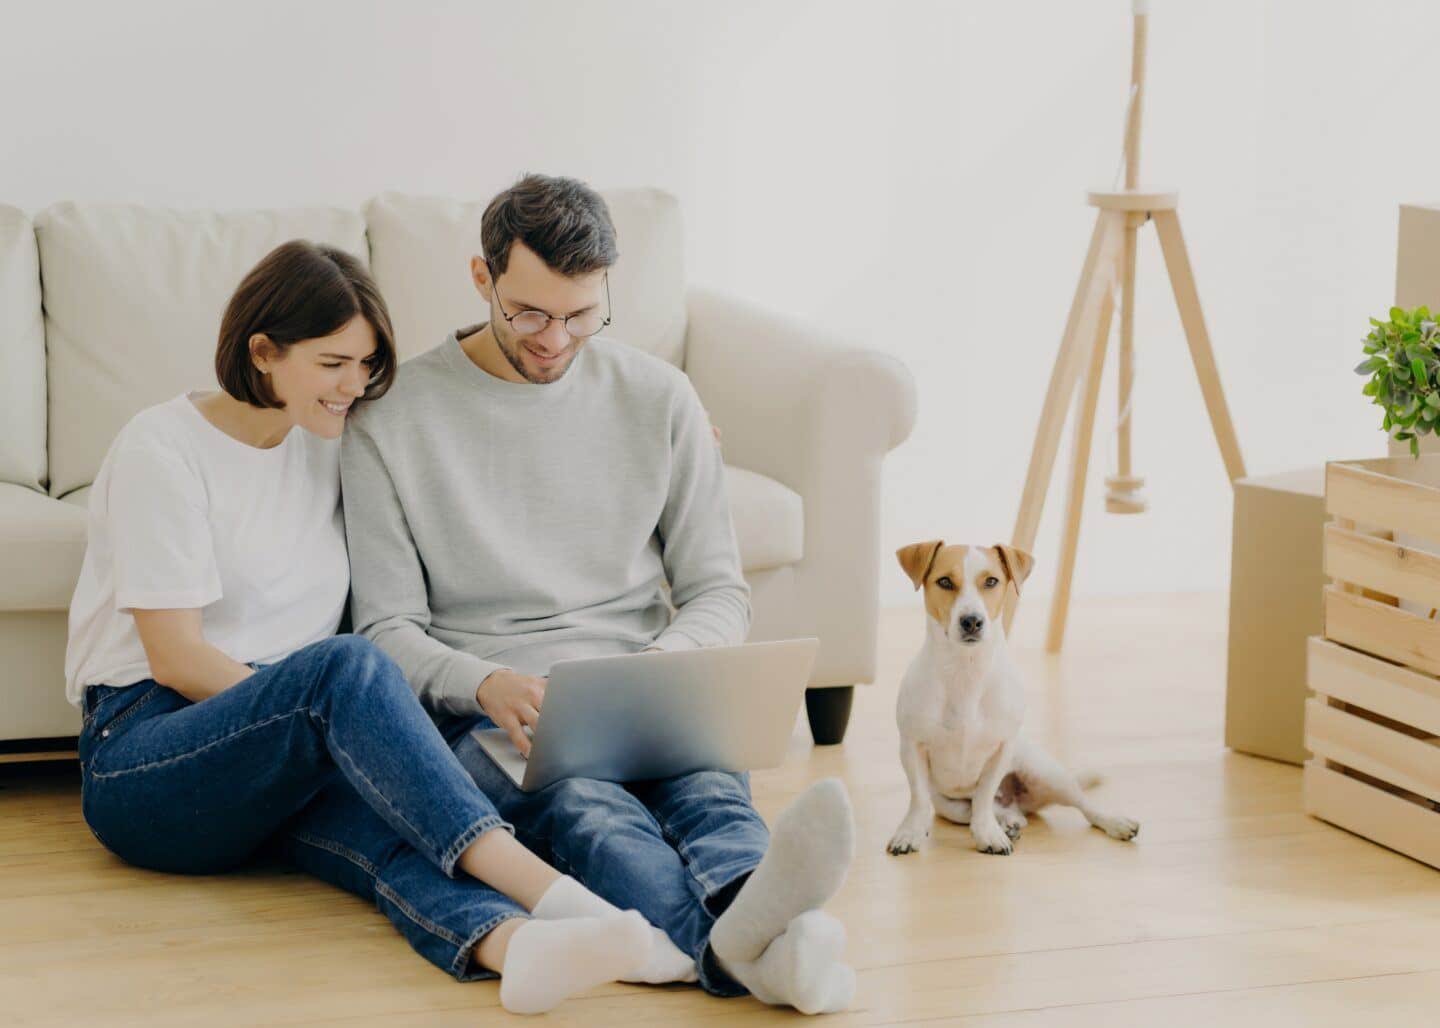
962 707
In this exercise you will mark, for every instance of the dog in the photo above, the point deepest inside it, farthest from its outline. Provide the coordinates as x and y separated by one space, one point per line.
961 709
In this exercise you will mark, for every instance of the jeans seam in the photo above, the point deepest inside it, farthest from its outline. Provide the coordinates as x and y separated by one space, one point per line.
704 879
174 758
682 850
681 847
341 751
331 846
401 904
424 922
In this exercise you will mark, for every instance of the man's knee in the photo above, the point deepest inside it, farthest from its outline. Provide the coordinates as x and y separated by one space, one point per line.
714 786
588 806
582 794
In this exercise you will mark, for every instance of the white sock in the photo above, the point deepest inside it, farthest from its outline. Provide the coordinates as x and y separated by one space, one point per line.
547 962
801 968
568 898
810 850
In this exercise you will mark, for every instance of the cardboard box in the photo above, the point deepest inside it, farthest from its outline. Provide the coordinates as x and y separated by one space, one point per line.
1417 281
1417 256
1277 577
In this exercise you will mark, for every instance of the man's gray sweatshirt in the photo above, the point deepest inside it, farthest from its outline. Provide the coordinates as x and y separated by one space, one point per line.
497 524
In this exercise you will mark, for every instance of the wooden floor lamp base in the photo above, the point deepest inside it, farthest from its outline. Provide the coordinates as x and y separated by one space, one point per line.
1081 361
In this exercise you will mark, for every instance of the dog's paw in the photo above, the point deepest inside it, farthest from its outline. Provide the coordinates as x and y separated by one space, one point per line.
1013 822
907 839
992 839
1122 828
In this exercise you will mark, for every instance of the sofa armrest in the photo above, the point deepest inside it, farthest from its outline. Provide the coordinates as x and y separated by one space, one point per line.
788 399
819 415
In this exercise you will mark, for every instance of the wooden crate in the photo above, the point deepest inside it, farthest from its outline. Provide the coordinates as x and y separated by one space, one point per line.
1373 725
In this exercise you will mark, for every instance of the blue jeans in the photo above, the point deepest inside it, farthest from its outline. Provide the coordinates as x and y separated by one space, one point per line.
327 754
676 849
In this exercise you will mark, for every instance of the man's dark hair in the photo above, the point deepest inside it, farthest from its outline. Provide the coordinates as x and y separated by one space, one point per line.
562 220
300 290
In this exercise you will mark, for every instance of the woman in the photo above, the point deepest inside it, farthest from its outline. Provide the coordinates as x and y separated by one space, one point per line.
222 713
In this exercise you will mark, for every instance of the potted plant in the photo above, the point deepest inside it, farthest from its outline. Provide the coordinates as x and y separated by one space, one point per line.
1402 362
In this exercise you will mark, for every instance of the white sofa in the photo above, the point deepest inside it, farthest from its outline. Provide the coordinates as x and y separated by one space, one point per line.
107 309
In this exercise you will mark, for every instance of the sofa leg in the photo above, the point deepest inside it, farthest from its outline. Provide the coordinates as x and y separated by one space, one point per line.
829 712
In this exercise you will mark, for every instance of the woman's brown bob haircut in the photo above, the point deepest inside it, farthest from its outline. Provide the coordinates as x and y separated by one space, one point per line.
300 291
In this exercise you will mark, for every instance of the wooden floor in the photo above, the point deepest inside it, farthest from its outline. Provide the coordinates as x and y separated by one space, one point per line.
1231 908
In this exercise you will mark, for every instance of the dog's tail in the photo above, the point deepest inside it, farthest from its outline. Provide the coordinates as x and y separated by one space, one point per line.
1088 779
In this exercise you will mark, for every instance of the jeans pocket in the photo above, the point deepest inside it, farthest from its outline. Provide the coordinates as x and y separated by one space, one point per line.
113 711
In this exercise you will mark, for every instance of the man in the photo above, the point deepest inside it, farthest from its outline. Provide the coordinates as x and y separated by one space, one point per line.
524 494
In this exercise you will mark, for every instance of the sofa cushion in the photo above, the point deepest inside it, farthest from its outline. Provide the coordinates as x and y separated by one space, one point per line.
42 544
420 250
769 520
79 498
22 354
133 299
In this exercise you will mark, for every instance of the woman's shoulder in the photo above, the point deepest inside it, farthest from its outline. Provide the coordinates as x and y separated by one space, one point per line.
166 426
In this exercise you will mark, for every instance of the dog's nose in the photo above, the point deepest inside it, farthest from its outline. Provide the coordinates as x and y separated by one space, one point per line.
971 624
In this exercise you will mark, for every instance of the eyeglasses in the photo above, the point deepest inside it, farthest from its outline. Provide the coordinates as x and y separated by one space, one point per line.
529 322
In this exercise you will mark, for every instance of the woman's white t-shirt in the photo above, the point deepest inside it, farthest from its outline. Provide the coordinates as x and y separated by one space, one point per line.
184 516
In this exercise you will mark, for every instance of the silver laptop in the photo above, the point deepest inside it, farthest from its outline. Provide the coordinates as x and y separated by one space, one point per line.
655 715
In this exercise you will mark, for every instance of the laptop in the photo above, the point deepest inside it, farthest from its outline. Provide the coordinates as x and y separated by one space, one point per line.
641 716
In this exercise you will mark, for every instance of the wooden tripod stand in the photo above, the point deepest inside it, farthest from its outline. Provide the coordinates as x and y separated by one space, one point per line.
1111 259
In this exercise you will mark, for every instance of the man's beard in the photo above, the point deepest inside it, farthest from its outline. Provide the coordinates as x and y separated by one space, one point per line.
512 351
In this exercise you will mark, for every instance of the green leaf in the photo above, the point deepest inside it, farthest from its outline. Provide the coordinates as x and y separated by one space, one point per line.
1417 368
1414 447
1404 435
1368 365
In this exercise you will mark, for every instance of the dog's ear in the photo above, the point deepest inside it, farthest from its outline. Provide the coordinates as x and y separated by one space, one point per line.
1017 564
917 559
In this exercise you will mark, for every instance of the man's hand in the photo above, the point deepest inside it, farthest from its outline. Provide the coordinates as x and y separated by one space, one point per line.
513 701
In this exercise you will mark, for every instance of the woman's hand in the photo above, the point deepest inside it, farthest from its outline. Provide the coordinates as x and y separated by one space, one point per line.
513 702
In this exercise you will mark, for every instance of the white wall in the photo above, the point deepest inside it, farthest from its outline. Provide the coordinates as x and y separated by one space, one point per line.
909 172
